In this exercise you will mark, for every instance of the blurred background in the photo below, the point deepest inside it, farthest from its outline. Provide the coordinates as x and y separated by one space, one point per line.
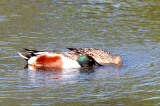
129 28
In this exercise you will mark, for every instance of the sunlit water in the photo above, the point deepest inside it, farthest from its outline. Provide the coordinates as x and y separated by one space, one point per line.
129 28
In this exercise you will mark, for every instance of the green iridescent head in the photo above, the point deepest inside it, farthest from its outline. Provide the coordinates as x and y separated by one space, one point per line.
87 61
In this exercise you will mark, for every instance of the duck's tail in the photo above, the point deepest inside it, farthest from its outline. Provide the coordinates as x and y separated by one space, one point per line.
23 56
27 54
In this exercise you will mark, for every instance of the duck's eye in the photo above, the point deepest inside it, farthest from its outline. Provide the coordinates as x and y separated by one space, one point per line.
90 60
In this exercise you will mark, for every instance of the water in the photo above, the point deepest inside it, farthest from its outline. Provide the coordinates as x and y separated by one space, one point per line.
128 28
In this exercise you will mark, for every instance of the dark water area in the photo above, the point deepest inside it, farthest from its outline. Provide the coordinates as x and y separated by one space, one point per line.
126 27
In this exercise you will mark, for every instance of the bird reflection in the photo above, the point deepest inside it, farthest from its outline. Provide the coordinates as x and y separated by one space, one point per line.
47 75
87 70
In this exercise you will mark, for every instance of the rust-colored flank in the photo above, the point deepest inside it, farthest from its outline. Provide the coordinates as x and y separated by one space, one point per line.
119 63
49 61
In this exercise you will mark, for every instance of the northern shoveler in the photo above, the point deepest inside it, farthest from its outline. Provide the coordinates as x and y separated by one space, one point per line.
101 56
56 59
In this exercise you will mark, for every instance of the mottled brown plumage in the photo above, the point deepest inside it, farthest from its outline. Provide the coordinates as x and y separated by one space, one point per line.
101 56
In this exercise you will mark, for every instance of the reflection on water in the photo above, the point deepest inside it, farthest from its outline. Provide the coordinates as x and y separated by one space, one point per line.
129 28
46 75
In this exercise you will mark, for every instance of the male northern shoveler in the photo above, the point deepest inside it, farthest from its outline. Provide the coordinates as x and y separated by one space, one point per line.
56 59
101 56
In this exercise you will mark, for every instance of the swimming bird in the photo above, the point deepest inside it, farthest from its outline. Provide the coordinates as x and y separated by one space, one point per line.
56 59
101 56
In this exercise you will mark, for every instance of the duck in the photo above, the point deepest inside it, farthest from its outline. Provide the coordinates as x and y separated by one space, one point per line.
56 59
99 55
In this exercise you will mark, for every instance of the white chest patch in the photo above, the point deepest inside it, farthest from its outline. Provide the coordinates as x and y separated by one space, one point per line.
69 63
